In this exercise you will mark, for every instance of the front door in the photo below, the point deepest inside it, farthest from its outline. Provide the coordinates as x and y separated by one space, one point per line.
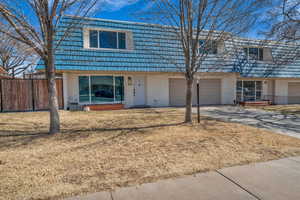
139 90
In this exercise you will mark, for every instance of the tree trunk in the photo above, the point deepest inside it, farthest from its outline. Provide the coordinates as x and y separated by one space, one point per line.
53 100
13 73
188 105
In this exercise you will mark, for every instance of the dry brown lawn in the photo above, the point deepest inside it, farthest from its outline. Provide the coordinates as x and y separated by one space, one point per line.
284 109
104 150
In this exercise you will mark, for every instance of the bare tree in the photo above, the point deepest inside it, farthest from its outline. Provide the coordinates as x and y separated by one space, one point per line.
15 57
282 21
199 25
282 25
37 27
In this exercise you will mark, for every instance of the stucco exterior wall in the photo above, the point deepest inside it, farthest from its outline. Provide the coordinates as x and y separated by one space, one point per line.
65 90
157 92
270 88
73 89
265 85
128 90
228 89
156 88
228 86
281 90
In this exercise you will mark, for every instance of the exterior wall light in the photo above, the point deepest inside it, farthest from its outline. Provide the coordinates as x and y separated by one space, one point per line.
129 80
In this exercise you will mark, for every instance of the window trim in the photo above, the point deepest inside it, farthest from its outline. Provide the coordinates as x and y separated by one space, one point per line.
90 90
86 39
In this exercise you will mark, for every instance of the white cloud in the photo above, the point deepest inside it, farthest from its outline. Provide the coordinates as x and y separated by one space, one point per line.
114 5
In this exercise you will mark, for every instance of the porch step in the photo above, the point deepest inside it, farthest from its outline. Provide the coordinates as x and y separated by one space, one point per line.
255 103
141 106
98 107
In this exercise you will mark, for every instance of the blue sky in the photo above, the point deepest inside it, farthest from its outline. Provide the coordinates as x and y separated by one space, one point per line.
126 10
123 9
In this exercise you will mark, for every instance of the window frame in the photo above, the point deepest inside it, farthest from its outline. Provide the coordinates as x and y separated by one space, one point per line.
128 38
90 90
210 45
259 49
255 89
97 42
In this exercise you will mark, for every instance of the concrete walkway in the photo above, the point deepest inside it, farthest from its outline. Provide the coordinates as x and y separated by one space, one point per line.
273 180
273 121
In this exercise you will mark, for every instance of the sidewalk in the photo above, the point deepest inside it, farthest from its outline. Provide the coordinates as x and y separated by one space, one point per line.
273 180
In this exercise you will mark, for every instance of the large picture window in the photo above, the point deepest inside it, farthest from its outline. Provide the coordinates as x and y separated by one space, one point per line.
249 91
107 39
101 89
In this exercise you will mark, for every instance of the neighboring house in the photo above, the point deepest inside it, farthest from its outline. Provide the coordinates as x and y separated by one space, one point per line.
3 73
117 62
39 75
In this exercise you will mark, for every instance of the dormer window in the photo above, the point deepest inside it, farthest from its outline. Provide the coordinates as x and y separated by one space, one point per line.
107 39
94 42
254 53
208 46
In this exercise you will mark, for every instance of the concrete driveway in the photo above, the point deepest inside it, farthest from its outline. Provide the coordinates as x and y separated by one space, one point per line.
273 121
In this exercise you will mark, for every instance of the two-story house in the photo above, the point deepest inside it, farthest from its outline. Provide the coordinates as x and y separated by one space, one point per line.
136 64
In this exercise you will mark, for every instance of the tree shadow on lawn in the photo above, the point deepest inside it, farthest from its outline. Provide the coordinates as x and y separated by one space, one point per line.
9 139
16 138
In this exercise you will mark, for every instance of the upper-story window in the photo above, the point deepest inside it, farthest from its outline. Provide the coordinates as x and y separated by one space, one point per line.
208 46
254 53
107 39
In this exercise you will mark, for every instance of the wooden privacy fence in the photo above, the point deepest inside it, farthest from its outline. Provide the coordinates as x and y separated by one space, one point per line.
27 94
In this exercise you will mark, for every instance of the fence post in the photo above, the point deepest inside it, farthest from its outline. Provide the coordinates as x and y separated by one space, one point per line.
32 95
1 98
198 101
62 94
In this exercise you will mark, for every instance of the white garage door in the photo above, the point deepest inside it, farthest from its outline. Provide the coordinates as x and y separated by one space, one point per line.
294 93
210 92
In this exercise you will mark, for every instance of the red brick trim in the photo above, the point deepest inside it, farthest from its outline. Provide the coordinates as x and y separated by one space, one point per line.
105 106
